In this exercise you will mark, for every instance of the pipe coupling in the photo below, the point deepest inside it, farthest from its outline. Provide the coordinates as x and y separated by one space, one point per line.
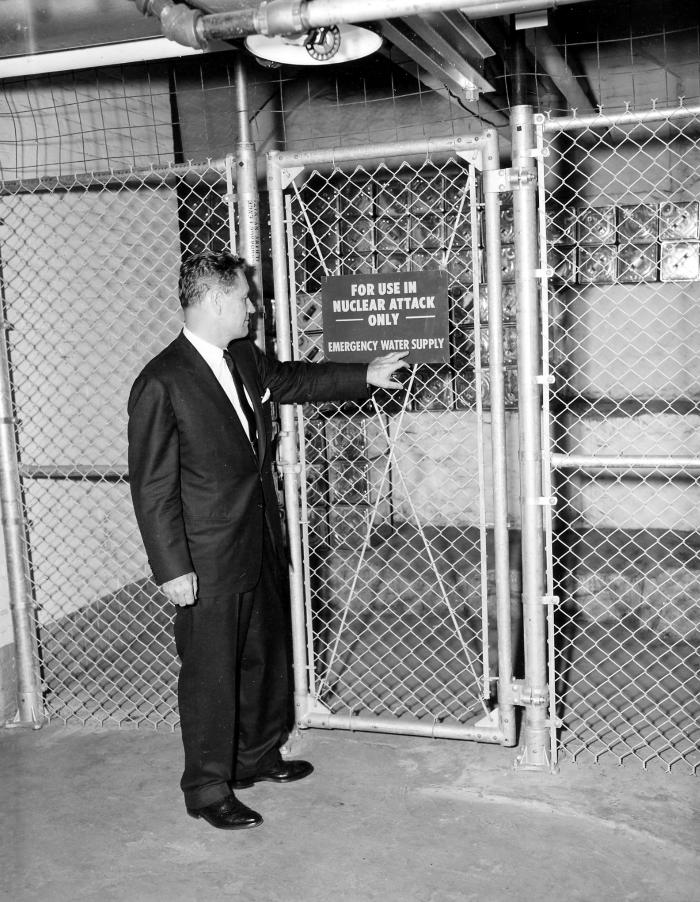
274 17
179 23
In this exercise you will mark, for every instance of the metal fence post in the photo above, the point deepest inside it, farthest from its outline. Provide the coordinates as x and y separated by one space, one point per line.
248 197
29 698
288 462
533 693
492 206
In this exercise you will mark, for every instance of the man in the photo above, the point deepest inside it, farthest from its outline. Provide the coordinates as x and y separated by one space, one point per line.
200 471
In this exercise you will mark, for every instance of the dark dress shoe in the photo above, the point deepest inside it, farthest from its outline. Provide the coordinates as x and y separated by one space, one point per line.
228 814
282 772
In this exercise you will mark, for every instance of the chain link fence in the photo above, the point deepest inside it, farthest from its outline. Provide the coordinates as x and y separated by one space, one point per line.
395 505
623 248
396 493
89 281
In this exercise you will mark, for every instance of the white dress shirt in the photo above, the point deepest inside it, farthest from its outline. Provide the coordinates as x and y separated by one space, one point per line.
214 356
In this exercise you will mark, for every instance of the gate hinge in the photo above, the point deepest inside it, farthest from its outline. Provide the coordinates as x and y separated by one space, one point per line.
499 180
526 695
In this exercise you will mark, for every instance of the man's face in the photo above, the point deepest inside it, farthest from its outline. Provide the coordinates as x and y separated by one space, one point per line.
236 308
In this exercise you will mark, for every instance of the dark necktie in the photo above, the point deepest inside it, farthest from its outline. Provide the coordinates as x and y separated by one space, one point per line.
243 400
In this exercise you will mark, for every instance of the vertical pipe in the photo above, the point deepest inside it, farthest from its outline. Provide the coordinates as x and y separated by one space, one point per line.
248 198
486 620
288 449
534 752
547 440
492 206
30 704
230 202
518 81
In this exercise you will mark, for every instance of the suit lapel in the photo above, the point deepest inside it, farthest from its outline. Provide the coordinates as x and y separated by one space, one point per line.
204 375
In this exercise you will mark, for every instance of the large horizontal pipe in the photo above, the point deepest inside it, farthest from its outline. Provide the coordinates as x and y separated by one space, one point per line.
229 19
337 11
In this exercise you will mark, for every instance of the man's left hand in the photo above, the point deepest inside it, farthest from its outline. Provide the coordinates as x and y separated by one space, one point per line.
381 370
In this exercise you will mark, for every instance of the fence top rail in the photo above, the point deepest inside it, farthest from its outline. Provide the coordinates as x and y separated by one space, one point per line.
598 120
112 178
422 147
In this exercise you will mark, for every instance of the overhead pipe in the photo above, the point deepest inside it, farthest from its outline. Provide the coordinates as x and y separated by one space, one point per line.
195 25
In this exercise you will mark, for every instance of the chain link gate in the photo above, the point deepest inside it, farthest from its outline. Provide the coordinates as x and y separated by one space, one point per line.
89 279
620 234
401 583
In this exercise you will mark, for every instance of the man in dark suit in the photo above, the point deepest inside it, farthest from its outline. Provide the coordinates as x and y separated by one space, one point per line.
201 480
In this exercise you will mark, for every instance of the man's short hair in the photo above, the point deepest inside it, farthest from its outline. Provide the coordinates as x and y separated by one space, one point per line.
200 272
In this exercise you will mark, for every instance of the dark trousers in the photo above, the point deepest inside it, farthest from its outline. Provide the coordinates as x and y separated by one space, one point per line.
234 689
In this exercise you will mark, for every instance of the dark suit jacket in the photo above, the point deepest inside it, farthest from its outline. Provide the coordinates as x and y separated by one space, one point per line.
199 492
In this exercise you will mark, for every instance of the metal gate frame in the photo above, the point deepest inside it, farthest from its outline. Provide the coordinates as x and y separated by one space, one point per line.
497 726
555 463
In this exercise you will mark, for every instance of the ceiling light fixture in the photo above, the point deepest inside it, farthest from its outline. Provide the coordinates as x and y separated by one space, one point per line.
318 47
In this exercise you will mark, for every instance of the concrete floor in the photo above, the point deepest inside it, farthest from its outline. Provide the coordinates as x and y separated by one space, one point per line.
96 815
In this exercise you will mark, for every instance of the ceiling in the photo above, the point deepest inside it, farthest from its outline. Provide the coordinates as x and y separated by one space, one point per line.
41 26
486 59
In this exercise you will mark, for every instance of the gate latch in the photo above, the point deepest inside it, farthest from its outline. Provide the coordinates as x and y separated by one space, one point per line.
526 695
497 181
